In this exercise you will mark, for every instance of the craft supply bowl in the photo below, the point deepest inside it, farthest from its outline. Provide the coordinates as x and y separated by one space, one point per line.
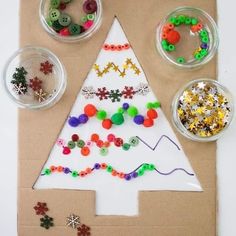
212 86
189 41
75 16
53 84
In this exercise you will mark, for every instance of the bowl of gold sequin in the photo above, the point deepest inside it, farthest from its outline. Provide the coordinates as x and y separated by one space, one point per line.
202 110
34 78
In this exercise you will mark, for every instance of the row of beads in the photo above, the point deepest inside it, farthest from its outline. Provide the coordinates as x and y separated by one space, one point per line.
103 166
103 145
117 118
112 47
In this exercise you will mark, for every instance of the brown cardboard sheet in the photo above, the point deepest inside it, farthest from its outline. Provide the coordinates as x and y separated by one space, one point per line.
161 213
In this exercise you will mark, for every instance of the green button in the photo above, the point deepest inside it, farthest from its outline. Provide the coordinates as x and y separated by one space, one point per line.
56 26
55 3
54 14
80 143
84 19
194 21
203 33
133 141
188 20
71 144
140 172
145 167
91 17
74 29
181 18
64 19
126 146
103 151
205 39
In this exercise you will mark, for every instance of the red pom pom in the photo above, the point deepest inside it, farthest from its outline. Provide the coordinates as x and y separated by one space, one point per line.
106 124
148 122
90 110
64 32
152 114
173 37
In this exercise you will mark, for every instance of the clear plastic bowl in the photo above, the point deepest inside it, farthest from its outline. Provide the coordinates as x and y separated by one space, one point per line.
191 38
74 10
53 83
180 101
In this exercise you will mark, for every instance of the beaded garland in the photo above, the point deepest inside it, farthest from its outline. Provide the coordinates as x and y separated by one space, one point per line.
95 139
62 23
119 47
117 118
138 172
170 36
115 95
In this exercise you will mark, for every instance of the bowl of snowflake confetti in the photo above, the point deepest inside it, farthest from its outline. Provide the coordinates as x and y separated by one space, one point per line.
34 78
187 37
203 110
70 20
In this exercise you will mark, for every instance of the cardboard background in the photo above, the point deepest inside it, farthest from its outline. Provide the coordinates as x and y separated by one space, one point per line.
161 212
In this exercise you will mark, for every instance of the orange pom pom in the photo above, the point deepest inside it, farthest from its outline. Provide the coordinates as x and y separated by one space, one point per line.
173 37
148 122
152 114
90 110
106 124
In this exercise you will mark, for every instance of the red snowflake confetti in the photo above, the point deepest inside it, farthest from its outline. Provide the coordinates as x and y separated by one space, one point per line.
84 230
128 92
102 93
46 67
35 84
41 208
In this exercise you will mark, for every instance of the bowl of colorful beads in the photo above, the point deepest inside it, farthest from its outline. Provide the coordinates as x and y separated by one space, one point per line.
202 110
70 20
187 37
34 78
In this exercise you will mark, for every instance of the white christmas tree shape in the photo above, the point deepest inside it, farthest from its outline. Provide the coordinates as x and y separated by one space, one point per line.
158 145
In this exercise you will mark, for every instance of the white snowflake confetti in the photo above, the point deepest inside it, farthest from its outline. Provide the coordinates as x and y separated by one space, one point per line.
19 89
88 92
73 221
142 89
40 95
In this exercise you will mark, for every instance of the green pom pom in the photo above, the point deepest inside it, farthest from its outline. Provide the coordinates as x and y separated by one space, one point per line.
101 115
117 119
132 111
156 105
121 110
109 169
47 171
74 173
149 105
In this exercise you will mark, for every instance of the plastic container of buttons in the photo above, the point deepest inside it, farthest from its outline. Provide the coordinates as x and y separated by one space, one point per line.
70 20
34 78
202 110
187 37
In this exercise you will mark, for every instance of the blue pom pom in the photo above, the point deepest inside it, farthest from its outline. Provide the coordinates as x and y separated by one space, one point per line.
138 119
74 121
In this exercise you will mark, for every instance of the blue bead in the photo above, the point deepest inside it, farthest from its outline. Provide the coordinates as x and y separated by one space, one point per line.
66 170
97 166
204 45
134 174
125 106
139 119
73 121
83 118
127 177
